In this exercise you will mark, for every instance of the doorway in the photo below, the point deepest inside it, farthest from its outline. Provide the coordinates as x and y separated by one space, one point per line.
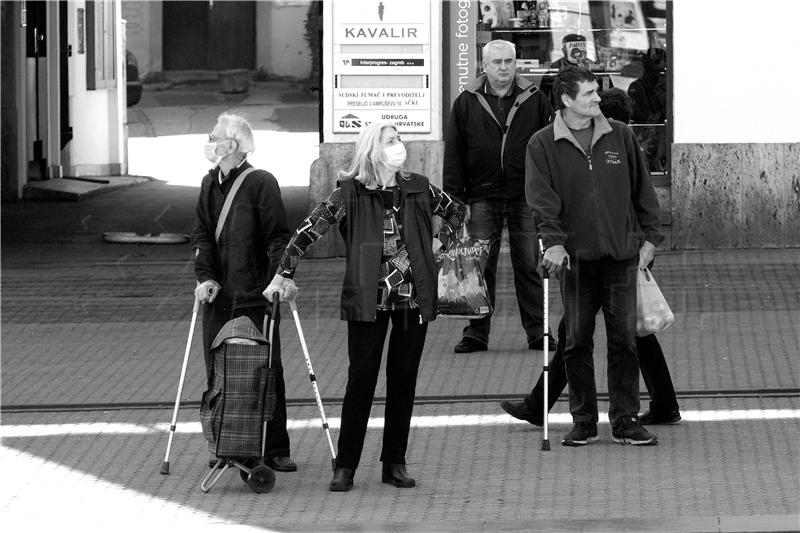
208 35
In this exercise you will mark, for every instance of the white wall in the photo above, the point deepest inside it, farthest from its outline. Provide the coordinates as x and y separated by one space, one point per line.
735 74
144 30
281 47
93 114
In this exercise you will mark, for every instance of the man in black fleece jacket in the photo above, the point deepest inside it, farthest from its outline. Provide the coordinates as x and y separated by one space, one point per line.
589 189
484 166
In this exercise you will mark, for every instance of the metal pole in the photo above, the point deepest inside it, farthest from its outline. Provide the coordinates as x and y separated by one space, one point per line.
546 350
165 465
313 378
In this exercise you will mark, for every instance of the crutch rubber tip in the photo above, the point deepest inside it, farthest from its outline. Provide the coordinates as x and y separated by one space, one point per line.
333 464
165 468
545 445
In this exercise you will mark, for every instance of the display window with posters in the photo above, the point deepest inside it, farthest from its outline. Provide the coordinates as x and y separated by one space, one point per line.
625 43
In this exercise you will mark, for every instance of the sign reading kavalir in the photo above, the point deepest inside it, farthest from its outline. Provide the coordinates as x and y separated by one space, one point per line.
381 65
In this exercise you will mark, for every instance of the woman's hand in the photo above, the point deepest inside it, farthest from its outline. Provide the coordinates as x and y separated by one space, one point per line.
285 287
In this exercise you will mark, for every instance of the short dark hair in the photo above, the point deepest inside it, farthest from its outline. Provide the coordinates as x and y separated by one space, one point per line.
567 81
615 103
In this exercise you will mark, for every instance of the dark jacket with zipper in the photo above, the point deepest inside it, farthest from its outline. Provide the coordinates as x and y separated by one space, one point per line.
252 239
600 204
484 158
362 230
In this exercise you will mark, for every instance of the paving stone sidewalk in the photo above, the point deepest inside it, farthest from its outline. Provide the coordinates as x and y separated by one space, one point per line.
93 337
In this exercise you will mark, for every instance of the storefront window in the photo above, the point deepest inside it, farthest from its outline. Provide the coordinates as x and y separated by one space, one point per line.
623 42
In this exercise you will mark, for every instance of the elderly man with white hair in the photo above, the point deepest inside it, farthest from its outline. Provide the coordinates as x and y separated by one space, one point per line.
237 251
484 166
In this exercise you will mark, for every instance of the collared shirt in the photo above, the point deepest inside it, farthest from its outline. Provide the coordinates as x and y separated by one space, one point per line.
600 127
218 193
221 177
501 103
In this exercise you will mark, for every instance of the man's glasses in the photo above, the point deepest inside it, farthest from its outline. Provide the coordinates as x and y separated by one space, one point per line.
213 139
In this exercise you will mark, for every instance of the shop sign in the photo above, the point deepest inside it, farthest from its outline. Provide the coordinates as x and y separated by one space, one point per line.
381 65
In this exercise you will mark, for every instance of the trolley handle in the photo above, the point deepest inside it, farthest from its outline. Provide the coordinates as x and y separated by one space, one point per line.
269 323
269 317
276 302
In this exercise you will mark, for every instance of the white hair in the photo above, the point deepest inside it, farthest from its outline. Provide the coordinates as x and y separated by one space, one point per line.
237 128
499 43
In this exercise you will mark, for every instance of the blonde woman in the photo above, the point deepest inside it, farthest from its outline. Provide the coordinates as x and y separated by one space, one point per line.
385 218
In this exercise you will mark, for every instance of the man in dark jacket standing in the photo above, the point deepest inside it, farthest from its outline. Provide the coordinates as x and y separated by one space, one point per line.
484 166
233 268
588 186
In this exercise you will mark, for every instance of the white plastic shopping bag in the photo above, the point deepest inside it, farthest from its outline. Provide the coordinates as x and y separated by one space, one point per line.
653 314
462 288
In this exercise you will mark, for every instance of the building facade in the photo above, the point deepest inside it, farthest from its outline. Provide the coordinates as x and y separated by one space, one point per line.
726 163
63 97
726 170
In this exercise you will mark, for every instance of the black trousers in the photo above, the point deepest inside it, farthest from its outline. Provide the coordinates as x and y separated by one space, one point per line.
365 342
214 317
652 364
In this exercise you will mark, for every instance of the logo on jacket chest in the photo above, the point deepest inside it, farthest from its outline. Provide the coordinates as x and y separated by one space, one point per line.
612 157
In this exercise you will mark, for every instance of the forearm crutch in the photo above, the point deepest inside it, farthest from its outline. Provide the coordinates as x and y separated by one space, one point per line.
546 348
293 307
173 425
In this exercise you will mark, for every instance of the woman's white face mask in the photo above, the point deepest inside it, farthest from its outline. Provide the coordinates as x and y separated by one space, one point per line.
395 155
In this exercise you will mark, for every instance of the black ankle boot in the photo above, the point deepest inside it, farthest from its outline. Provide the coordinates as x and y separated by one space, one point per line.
342 479
396 474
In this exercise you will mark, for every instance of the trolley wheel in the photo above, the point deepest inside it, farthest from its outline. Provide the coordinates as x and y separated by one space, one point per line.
249 463
261 479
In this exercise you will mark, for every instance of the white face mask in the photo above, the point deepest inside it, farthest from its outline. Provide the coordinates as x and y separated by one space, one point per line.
210 151
395 155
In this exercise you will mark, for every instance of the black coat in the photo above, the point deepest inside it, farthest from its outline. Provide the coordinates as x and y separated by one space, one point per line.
485 159
252 240
362 230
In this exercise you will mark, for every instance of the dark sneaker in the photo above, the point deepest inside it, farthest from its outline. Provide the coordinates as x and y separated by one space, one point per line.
582 434
627 430
538 344
653 419
469 345
521 411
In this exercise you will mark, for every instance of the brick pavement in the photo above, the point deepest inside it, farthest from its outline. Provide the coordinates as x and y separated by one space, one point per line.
85 322
732 332
483 475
